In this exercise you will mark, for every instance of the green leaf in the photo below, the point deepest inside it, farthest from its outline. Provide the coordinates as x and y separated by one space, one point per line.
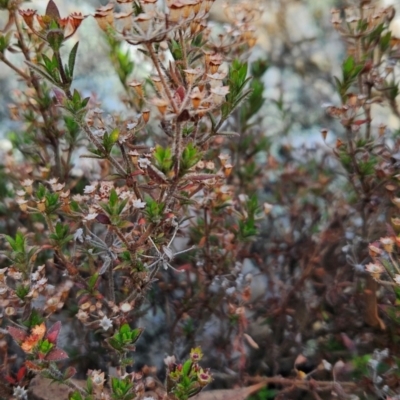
75 396
113 198
187 366
114 135
348 66
72 59
42 73
92 281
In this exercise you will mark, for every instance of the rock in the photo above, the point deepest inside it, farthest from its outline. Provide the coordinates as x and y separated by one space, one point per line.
44 389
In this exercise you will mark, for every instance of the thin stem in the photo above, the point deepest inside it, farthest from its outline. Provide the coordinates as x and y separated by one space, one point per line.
183 47
178 149
111 286
14 68
48 128
153 57
100 147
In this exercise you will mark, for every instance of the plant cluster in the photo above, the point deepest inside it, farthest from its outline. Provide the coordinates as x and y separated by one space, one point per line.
97 247
178 222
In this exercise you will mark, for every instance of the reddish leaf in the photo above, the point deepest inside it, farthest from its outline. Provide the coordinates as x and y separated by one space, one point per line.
32 366
21 373
69 372
103 219
56 355
52 10
59 95
181 92
17 334
53 332
348 342
360 122
11 380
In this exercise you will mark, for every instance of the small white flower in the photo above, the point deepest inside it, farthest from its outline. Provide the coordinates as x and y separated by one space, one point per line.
230 290
90 217
374 269
57 187
131 125
82 315
42 281
78 235
35 276
138 204
267 208
144 162
106 323
169 360
124 195
327 365
15 275
20 393
26 183
125 307
243 198
89 189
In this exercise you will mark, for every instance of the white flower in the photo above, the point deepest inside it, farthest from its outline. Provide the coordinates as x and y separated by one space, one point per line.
106 323
125 307
15 275
57 187
26 183
132 125
243 197
89 189
82 315
144 162
42 281
35 276
138 204
374 269
397 279
20 393
52 181
267 208
78 235
90 217
327 365
230 290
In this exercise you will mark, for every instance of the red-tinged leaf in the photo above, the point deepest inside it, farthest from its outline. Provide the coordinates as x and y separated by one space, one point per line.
17 334
350 345
21 373
52 10
32 366
181 92
137 172
56 355
11 380
360 122
200 177
69 372
53 332
59 96
183 116
103 219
